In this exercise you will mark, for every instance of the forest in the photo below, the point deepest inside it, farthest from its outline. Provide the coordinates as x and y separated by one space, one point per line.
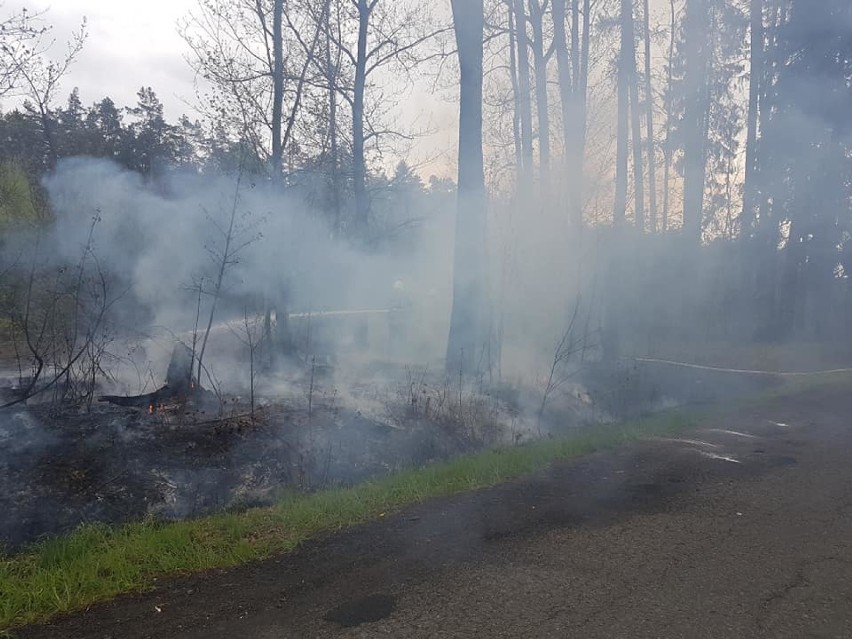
683 169
517 318
633 181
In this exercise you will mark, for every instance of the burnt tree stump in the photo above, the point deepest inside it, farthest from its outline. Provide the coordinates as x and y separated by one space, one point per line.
179 384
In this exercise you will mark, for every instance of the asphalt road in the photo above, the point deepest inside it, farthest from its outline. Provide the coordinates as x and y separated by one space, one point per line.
740 529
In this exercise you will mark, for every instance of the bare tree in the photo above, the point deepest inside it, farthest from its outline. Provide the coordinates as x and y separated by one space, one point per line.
524 93
27 71
388 34
756 75
622 134
668 150
468 325
240 47
231 238
541 55
573 82
62 321
22 42
332 73
277 86
649 122
252 333
628 36
575 340
516 92
696 21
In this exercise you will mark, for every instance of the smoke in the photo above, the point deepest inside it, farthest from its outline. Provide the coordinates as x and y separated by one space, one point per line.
162 241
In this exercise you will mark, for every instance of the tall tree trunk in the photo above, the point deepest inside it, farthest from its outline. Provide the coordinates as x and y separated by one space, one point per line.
622 152
359 163
569 69
47 132
649 127
525 97
277 88
576 62
755 76
766 225
582 104
567 77
628 36
468 324
516 98
695 116
332 70
541 99
667 147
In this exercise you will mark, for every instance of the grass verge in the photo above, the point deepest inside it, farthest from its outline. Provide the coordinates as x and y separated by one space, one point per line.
97 562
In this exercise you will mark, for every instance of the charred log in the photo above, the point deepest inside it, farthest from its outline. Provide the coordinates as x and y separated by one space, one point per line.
147 401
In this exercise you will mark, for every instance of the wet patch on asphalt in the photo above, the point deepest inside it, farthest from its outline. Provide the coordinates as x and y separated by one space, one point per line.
367 609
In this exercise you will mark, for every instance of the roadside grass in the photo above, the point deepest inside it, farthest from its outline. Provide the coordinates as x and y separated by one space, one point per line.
98 562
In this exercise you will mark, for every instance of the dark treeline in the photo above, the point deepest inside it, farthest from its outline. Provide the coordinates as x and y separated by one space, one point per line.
778 267
724 212
140 139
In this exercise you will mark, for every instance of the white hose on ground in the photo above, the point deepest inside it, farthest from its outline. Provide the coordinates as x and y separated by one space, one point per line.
745 371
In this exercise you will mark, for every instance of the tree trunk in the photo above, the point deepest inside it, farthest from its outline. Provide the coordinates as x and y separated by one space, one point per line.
277 88
567 75
569 92
541 99
695 115
766 225
516 98
628 35
582 101
359 165
649 128
332 71
755 76
622 152
667 149
525 98
468 324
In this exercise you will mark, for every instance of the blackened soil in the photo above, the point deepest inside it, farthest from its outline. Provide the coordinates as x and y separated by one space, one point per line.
742 528
61 469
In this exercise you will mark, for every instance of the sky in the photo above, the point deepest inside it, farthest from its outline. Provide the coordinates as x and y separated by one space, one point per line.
130 43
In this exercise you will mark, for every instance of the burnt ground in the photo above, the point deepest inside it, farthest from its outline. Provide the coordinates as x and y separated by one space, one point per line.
61 468
742 528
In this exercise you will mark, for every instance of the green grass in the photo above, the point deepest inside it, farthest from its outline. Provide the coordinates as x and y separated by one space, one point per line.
97 562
